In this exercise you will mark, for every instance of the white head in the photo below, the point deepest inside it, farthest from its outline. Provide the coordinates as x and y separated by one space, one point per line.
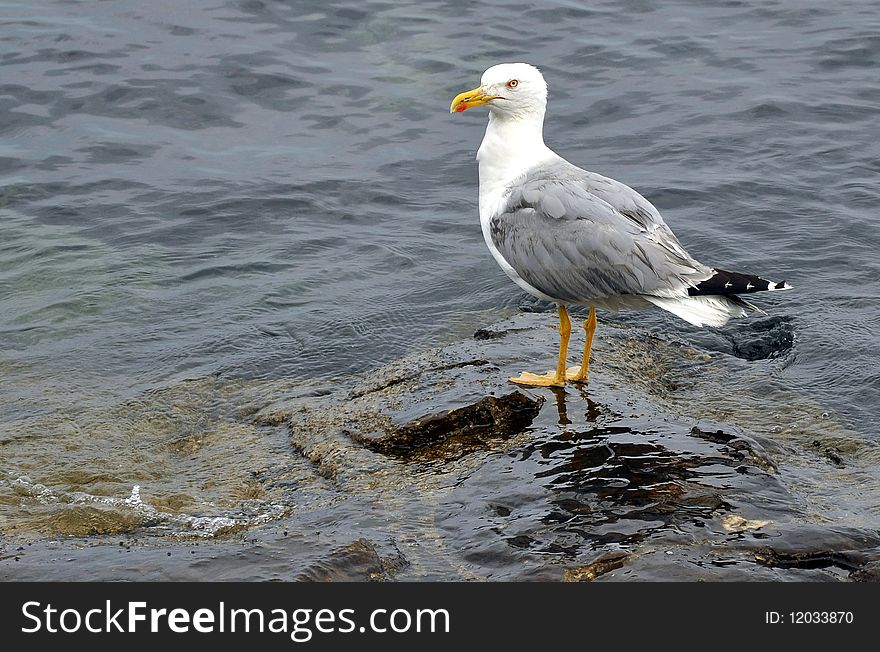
510 90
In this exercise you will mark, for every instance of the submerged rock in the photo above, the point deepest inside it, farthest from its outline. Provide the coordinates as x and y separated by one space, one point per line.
358 561
605 564
453 433
580 483
670 465
763 338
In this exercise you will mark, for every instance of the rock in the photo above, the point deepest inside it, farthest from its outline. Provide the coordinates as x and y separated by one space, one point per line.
605 564
763 339
737 444
831 453
569 483
663 467
736 523
453 433
358 561
869 572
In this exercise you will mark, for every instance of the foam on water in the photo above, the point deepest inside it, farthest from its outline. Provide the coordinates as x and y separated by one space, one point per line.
148 519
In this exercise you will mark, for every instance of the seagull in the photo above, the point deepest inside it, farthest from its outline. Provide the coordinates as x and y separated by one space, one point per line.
570 236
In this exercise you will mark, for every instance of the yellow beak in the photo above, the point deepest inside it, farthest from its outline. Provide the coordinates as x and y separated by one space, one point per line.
464 101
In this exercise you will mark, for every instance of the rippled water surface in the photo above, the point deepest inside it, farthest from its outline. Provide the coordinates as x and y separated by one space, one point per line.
206 207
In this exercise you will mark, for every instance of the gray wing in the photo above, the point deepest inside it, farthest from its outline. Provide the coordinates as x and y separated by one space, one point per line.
577 236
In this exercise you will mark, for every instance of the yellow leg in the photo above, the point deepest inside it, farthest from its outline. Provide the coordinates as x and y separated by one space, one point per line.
551 379
581 374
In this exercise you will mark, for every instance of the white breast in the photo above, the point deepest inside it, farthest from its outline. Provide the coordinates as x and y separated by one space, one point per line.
509 150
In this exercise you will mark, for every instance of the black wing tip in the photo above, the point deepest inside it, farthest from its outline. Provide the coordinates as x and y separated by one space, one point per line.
726 283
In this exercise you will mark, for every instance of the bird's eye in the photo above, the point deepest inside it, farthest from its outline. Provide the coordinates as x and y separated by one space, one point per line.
513 83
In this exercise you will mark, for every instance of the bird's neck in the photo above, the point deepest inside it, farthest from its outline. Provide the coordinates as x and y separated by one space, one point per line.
510 147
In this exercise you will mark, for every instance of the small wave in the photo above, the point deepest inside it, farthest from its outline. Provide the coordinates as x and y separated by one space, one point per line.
148 516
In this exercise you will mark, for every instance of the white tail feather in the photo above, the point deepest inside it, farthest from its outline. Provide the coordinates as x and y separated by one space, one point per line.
710 310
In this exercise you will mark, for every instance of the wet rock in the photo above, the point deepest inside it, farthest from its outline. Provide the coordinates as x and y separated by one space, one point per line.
737 444
598 478
736 523
485 334
528 303
813 551
764 338
389 377
455 432
605 564
829 452
357 562
645 476
479 479
86 520
806 559
870 572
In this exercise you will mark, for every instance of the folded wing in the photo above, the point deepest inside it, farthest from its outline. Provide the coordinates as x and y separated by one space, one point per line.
580 237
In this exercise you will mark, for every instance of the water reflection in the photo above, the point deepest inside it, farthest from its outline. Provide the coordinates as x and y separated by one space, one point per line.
617 484
560 394
561 409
